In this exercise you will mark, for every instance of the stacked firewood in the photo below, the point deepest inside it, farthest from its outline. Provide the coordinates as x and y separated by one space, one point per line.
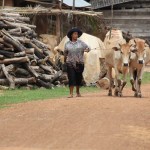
24 60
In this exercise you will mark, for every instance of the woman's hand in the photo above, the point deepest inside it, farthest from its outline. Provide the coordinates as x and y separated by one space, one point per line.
87 50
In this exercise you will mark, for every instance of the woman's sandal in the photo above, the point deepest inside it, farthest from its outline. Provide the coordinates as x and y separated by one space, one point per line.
71 96
78 95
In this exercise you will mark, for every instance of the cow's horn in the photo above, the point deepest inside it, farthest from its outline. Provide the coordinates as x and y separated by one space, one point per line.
134 41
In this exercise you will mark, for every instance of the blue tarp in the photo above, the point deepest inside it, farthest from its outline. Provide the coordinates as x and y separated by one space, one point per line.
78 3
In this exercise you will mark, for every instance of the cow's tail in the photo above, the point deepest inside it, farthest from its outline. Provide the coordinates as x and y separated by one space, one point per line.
135 74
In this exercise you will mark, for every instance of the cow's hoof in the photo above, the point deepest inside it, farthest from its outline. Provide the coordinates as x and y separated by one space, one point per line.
109 94
120 94
116 92
135 95
139 95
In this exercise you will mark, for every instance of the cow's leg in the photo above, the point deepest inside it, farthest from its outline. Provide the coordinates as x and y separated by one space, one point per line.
123 84
133 80
139 94
110 79
117 82
139 81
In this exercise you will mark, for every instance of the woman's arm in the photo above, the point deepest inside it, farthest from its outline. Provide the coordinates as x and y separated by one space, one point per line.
86 48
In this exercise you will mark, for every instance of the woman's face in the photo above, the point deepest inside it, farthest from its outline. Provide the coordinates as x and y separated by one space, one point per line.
75 36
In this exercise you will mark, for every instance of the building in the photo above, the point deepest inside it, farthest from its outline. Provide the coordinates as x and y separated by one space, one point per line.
120 4
131 16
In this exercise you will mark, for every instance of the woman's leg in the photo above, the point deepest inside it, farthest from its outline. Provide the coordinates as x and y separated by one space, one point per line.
71 91
79 83
78 91
79 78
72 79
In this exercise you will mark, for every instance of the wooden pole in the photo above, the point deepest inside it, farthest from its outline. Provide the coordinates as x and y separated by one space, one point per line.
58 28
61 3
3 4
112 15
61 22
73 6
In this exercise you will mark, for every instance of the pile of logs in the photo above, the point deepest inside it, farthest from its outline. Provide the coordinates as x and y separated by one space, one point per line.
24 61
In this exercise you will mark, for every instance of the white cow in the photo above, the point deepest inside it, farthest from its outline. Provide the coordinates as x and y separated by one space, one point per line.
117 56
139 58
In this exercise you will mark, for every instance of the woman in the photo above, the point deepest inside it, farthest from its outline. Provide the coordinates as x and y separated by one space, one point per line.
74 51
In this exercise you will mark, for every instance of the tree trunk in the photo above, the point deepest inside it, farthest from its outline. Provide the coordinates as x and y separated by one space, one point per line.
3 87
38 69
15 43
32 71
17 19
44 84
5 44
14 60
21 25
21 72
1 57
33 62
25 81
40 44
29 51
20 81
47 68
8 49
56 76
1 46
46 77
38 52
20 54
14 30
7 53
9 77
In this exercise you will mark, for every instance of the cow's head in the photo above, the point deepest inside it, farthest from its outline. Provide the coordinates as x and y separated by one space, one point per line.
139 49
124 52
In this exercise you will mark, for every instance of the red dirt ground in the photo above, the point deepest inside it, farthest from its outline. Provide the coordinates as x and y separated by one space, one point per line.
92 122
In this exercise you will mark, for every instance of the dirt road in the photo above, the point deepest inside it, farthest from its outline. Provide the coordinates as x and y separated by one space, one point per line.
93 122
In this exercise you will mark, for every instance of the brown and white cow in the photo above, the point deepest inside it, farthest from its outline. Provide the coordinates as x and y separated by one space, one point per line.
139 58
117 56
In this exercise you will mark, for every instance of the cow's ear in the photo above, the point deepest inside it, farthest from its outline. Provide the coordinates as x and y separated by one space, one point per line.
115 48
146 45
134 50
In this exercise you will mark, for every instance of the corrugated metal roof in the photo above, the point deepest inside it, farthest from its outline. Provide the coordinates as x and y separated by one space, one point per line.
78 3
